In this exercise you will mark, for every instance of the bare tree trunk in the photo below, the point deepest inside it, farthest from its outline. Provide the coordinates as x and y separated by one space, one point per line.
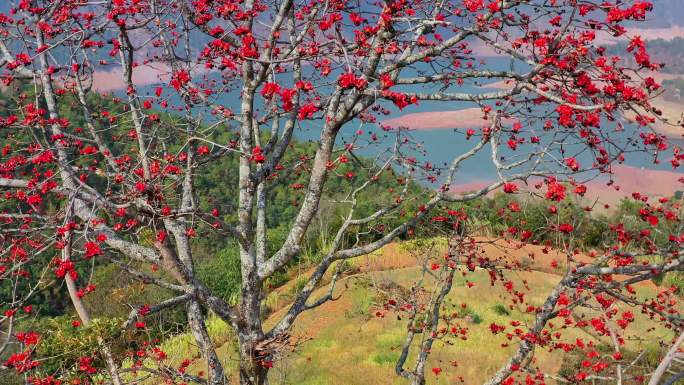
431 320
667 360
254 358
198 326
253 368
252 374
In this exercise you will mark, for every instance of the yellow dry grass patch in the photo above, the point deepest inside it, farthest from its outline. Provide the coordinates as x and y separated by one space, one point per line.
343 342
352 347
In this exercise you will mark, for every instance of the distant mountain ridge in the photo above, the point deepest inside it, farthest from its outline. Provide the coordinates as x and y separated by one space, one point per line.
666 13
668 52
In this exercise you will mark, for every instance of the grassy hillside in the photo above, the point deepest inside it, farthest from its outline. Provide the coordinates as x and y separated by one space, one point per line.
345 342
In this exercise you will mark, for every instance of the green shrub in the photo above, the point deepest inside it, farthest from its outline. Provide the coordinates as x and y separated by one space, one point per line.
278 279
299 284
361 305
472 316
388 357
500 309
222 274
62 344
674 279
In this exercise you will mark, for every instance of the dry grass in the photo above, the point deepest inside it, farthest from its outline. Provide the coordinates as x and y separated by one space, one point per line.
364 350
343 342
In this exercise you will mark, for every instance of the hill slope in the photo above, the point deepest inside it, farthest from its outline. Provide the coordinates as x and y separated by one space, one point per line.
345 342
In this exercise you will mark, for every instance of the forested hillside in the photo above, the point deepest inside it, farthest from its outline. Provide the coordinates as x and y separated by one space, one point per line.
214 252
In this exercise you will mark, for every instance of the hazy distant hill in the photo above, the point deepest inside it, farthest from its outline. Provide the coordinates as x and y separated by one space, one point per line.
668 52
665 13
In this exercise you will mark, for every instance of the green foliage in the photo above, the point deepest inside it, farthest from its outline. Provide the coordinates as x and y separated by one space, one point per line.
183 345
674 279
385 357
493 216
471 315
299 284
476 319
501 309
361 305
628 214
62 343
222 273
279 278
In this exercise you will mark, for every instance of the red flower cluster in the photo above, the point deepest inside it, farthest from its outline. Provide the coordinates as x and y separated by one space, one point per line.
257 155
349 80
180 78
510 188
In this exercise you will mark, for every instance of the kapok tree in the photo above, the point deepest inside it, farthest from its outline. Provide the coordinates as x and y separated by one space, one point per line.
240 80
600 317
